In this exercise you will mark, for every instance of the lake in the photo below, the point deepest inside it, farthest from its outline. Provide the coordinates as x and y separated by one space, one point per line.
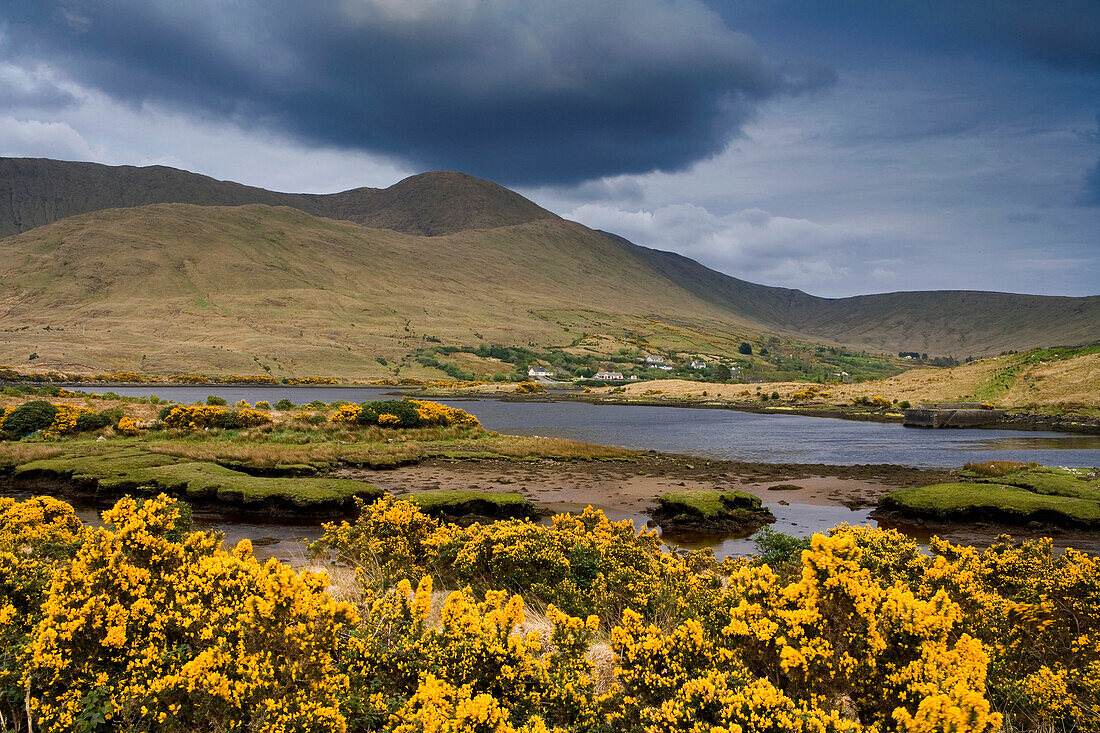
712 433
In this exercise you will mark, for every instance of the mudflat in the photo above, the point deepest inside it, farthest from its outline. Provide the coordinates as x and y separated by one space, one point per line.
632 486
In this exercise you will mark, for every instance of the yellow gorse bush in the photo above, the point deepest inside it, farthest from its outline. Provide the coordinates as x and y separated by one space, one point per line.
36 536
144 625
346 414
64 420
127 426
435 413
194 417
153 628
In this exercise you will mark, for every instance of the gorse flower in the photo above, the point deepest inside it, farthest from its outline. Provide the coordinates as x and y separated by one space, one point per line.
585 626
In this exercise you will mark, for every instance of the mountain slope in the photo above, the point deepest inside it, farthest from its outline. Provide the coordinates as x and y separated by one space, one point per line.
943 322
176 288
39 191
329 284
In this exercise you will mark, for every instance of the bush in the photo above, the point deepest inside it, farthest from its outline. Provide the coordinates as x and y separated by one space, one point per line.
215 400
212 416
775 548
404 411
745 348
99 420
284 404
29 417
200 635
263 405
904 404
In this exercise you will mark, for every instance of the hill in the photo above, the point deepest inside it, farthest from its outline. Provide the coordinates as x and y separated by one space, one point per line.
38 191
1039 380
168 271
230 290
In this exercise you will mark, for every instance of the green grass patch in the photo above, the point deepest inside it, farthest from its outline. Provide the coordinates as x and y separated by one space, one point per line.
1051 480
966 500
708 510
131 469
455 503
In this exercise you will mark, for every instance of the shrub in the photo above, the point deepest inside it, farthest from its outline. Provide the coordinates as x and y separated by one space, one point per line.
29 417
904 404
284 404
263 405
215 400
211 416
36 537
175 633
127 426
745 348
775 395
347 414
403 410
98 420
530 388
774 548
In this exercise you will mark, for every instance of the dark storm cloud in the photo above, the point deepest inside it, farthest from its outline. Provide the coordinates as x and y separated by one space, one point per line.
529 92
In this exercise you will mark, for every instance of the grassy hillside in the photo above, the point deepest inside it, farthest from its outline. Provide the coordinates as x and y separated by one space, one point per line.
194 274
943 323
1043 380
176 288
37 191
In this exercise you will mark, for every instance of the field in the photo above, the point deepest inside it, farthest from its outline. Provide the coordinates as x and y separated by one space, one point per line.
1050 381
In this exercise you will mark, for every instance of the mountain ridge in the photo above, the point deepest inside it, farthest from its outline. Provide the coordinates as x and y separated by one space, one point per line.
39 191
437 255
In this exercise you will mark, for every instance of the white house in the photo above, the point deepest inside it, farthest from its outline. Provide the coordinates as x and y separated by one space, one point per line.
540 371
697 364
665 367
610 376
655 360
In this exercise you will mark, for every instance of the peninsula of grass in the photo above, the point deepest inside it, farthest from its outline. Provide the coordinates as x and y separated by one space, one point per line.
450 504
1013 493
711 512
108 471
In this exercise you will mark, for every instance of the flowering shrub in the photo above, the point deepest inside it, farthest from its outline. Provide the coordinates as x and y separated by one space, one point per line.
530 388
583 564
194 417
144 625
435 413
474 672
36 536
150 628
346 414
66 420
127 426
404 414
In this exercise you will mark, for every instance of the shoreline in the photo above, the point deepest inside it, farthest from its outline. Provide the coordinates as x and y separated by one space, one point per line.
1023 421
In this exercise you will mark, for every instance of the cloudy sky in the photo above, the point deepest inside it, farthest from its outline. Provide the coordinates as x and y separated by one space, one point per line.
837 147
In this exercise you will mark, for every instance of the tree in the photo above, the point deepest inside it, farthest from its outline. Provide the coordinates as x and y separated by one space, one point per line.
745 348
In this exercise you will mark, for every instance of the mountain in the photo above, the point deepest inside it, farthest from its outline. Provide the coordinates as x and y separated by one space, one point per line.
238 279
37 191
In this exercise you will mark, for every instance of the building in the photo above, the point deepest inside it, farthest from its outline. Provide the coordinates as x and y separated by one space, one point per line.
655 360
609 376
665 367
698 364
540 371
